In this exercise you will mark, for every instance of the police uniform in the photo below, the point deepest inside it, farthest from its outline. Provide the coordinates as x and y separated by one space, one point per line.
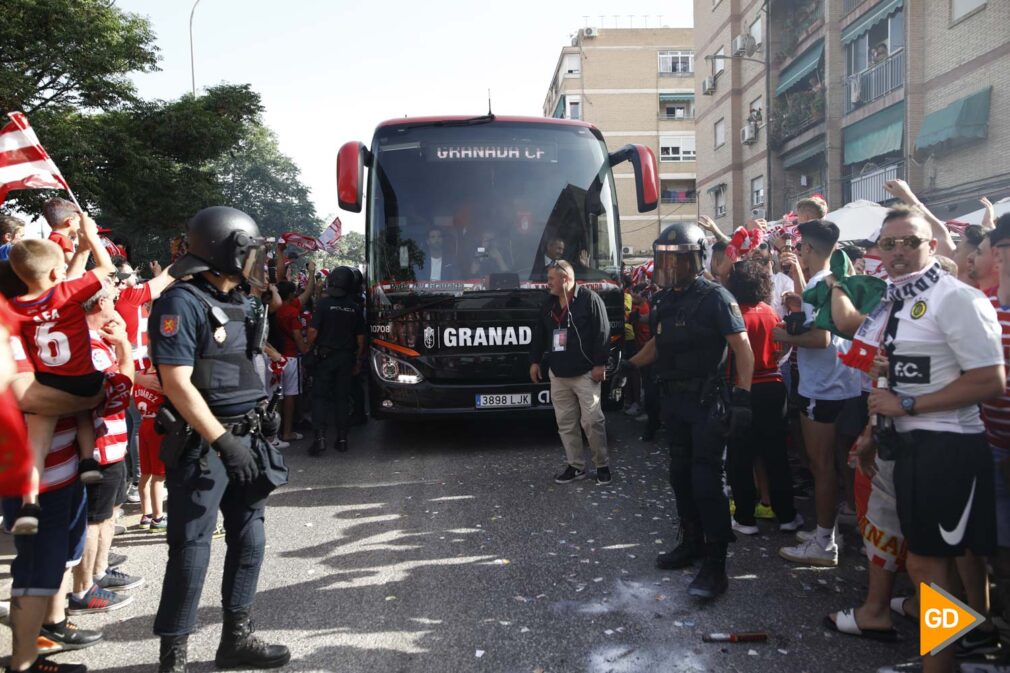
338 322
691 323
195 324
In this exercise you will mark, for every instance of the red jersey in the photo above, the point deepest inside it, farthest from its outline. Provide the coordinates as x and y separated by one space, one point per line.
61 461
134 306
148 401
760 319
65 242
15 452
996 412
54 330
289 321
111 446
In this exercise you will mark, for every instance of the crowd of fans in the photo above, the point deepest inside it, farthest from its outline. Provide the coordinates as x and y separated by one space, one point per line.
883 402
79 388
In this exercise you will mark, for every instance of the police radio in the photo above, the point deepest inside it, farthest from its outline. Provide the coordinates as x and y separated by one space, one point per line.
256 330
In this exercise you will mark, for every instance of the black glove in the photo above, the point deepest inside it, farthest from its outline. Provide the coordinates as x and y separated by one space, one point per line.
739 413
270 423
238 460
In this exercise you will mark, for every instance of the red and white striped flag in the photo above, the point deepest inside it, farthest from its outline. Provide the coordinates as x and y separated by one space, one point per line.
310 243
23 162
329 238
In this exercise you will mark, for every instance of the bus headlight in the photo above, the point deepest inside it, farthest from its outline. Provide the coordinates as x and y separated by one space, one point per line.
393 370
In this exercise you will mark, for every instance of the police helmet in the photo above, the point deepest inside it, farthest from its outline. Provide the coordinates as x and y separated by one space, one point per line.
224 240
679 255
359 280
340 282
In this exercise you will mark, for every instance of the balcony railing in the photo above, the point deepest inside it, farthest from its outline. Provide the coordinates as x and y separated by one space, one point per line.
686 116
869 185
850 5
685 73
669 198
793 197
874 82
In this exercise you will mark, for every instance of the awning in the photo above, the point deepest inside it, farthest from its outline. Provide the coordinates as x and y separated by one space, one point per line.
960 122
876 135
671 97
801 154
803 65
716 188
870 19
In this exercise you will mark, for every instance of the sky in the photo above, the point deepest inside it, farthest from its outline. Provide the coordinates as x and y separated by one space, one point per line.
329 71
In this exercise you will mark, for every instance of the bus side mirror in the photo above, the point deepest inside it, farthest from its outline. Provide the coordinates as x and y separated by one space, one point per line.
351 160
643 160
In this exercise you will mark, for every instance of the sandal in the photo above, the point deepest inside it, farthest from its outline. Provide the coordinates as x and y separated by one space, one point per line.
845 622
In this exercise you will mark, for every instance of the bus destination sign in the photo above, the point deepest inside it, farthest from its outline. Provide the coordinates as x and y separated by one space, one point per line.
542 152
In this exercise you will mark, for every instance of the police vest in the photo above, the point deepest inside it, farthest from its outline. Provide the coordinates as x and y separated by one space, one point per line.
687 348
224 372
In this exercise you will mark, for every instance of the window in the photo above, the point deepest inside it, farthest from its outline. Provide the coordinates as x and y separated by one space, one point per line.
962 8
676 62
755 30
720 132
574 108
757 191
720 60
676 110
572 64
755 112
897 31
720 202
676 148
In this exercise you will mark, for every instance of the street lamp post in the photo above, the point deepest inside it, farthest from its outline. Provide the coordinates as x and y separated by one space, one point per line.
192 60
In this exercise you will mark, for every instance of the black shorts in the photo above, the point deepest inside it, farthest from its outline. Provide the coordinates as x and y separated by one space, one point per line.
81 386
821 411
106 494
854 417
946 494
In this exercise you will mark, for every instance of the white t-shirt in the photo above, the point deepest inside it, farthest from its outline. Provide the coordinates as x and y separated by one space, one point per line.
944 330
822 374
781 283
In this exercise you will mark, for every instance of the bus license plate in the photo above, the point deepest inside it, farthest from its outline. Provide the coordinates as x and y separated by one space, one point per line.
502 401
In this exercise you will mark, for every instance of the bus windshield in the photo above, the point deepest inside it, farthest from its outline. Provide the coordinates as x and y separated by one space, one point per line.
462 208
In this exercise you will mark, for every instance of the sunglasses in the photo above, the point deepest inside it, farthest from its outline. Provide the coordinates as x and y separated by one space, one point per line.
910 242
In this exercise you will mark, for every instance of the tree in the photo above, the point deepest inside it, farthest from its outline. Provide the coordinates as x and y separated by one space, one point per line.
71 54
256 177
350 252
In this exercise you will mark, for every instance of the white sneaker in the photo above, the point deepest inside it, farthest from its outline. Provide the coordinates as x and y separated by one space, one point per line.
745 530
793 525
807 535
633 410
811 553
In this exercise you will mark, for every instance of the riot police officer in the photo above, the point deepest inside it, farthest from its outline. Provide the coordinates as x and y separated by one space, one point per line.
337 333
203 339
695 322
358 416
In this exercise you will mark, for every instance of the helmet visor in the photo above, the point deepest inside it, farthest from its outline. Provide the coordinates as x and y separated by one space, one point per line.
254 268
676 269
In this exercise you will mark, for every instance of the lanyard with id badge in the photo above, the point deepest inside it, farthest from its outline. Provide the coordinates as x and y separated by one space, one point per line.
559 341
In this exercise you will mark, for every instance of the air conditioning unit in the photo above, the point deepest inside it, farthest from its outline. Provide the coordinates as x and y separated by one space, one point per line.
749 134
708 86
739 46
590 32
627 250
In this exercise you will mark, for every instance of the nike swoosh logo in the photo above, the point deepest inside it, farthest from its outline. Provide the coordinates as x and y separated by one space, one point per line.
954 537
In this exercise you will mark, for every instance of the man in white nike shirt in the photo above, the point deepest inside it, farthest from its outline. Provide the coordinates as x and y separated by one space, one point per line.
943 343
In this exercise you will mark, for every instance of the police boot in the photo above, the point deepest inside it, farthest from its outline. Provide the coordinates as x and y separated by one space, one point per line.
240 648
341 443
172 657
711 580
690 549
318 447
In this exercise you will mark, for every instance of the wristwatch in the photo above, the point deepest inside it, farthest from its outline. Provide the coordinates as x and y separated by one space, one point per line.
908 405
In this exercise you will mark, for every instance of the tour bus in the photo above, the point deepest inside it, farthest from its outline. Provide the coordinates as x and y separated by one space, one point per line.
463 217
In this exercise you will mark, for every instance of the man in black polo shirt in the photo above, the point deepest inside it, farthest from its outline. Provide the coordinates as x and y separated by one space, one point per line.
573 331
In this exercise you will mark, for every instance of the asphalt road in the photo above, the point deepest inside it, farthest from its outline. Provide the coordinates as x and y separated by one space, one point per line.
447 547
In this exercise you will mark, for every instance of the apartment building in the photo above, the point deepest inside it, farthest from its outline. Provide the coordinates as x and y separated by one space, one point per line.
637 86
860 92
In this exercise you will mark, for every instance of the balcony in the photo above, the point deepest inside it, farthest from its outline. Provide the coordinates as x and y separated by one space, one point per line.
869 184
685 116
874 82
794 113
793 197
678 197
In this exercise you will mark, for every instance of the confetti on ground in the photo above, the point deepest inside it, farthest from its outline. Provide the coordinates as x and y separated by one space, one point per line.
479 653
